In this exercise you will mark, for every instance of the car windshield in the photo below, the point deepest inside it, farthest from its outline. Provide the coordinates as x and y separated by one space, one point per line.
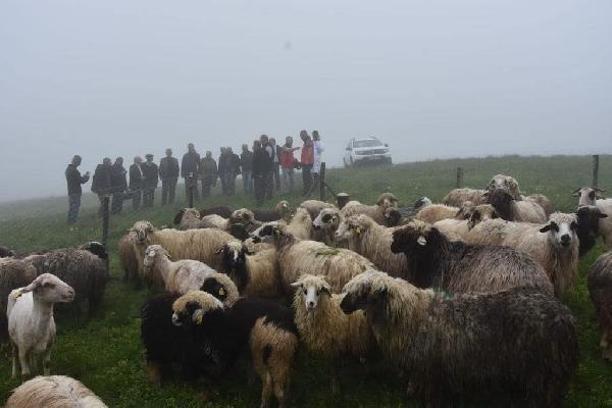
366 143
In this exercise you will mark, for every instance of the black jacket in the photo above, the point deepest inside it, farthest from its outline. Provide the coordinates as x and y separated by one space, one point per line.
74 179
190 164
118 178
208 169
168 168
151 175
246 161
261 163
136 177
101 183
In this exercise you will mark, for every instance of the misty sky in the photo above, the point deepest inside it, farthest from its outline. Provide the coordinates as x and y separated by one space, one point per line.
433 78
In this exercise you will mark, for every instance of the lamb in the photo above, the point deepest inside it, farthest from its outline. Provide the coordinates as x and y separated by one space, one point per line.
84 269
30 320
512 210
255 274
14 273
53 391
599 281
382 212
188 218
200 244
456 267
554 245
513 347
458 196
458 229
128 258
266 327
6 252
297 257
373 241
176 277
323 327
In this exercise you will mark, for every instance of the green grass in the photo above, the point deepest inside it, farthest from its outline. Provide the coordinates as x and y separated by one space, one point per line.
105 351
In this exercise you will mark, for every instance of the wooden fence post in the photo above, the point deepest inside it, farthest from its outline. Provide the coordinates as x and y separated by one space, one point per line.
190 191
459 177
322 181
595 182
105 219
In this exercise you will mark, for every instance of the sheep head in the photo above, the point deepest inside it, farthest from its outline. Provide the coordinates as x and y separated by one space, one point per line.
562 229
481 213
387 200
192 307
417 238
502 201
365 291
422 203
310 289
353 227
393 216
268 232
143 230
505 183
587 195
221 287
95 248
327 220
48 288
152 253
284 210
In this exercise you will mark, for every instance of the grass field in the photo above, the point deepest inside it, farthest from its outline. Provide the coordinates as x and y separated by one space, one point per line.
105 352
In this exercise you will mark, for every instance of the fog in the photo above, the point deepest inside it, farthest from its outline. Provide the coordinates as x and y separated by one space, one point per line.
432 78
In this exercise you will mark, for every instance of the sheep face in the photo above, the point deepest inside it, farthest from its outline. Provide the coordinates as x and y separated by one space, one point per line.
242 216
142 229
505 183
151 254
352 227
284 210
233 255
365 291
192 307
215 288
588 218
265 233
387 200
587 195
422 203
392 217
50 289
328 220
417 238
561 229
96 248
502 201
310 289
481 213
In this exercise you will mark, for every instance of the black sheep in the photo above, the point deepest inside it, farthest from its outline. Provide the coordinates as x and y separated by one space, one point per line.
588 227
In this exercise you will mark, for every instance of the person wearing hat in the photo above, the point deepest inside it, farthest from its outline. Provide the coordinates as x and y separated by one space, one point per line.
74 181
150 174
168 172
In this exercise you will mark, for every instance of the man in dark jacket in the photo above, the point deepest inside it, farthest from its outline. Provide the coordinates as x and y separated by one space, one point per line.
74 181
190 170
262 166
101 183
168 172
246 166
208 173
233 169
118 185
150 173
136 180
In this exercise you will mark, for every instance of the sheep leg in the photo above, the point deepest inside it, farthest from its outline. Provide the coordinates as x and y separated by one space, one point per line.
14 357
266 391
279 392
23 361
47 362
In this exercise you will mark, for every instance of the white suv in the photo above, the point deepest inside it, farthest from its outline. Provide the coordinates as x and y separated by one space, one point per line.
366 150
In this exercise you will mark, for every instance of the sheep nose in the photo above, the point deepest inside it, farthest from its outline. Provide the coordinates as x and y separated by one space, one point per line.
565 238
310 304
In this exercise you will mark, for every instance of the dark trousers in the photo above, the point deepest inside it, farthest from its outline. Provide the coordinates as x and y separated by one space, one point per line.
228 181
148 197
117 203
259 184
277 178
74 204
307 177
269 184
207 184
247 181
136 198
168 190
192 183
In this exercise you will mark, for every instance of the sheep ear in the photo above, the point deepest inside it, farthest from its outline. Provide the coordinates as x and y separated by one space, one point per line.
546 228
198 316
575 194
603 215
297 284
179 216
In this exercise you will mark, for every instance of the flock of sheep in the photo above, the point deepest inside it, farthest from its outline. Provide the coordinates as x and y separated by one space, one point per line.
461 297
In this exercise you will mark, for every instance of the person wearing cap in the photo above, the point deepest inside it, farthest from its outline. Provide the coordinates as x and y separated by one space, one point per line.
74 181
168 173
136 180
101 183
150 173
190 168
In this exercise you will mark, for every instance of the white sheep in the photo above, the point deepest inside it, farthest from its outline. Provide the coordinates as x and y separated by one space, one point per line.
323 327
314 207
382 212
326 224
373 241
458 196
30 320
55 391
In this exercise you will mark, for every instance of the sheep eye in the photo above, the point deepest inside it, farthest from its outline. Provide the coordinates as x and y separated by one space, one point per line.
49 285
305 291
554 226
326 218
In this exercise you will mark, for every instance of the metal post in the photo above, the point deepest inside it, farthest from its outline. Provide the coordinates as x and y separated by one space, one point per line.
595 182
190 190
322 181
105 219
342 199
459 177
